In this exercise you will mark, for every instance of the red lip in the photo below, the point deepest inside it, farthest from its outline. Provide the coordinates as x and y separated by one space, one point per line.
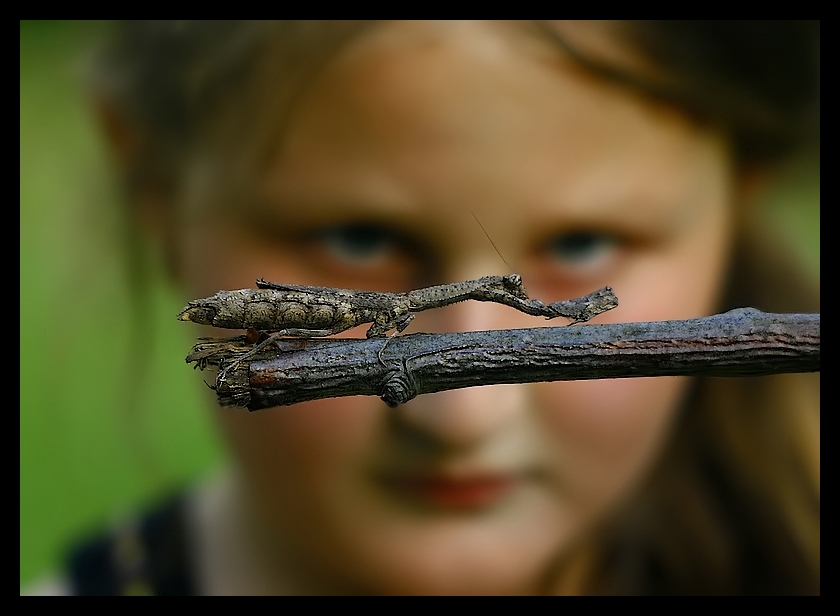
455 493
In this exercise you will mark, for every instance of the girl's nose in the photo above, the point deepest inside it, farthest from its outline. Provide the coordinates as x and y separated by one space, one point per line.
465 418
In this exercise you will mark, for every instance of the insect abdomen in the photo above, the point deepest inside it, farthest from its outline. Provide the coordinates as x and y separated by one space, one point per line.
273 310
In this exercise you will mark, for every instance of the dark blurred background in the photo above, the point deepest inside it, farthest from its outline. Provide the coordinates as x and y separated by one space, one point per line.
86 454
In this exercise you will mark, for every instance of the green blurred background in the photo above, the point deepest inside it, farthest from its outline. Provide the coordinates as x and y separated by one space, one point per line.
85 454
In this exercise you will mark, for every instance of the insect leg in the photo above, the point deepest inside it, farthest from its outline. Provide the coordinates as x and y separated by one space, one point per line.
399 326
300 288
584 308
274 338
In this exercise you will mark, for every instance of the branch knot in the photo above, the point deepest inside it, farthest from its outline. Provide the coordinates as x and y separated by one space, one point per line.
398 388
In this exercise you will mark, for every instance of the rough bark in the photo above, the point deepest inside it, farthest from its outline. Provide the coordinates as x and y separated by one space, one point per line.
743 342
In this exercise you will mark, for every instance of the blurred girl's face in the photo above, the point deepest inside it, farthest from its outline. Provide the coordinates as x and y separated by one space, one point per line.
411 134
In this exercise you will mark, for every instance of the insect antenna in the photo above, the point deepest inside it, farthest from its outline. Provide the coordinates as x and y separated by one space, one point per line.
492 243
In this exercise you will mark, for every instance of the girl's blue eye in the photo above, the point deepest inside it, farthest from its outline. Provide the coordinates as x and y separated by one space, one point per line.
581 248
358 242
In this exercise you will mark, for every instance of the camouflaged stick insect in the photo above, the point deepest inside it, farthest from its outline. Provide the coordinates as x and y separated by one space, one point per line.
313 312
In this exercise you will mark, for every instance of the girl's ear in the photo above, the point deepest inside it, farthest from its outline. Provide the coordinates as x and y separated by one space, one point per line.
752 184
150 208
120 136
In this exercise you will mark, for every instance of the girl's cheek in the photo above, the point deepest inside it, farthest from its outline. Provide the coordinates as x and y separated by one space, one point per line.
605 434
296 454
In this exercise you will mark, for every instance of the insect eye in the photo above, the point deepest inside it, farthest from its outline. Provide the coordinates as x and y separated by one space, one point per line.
513 284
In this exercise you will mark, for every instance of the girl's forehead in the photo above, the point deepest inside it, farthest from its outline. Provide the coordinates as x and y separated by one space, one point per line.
475 116
470 86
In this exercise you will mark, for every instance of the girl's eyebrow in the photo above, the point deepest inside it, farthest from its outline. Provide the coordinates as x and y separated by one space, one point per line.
632 216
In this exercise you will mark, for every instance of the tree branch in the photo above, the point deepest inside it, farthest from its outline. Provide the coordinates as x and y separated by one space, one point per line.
742 342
